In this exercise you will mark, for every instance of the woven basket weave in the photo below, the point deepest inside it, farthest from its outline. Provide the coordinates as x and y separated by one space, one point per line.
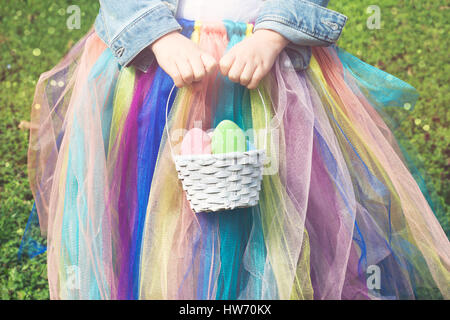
216 182
221 181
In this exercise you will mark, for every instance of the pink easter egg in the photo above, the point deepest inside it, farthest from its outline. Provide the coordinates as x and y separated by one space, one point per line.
196 141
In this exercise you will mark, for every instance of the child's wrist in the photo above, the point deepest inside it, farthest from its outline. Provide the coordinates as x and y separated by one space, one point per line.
154 46
276 39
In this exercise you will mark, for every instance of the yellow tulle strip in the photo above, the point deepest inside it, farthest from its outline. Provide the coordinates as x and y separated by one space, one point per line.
284 231
122 104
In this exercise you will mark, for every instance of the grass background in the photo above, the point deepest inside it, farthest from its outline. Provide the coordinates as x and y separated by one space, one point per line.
411 44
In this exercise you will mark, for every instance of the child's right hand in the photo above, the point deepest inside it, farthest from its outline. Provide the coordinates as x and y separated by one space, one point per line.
182 59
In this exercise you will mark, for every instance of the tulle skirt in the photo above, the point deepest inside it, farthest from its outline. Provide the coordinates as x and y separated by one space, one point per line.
340 216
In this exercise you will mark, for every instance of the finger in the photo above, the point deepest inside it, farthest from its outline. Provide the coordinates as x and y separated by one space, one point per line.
258 75
209 62
185 69
236 70
172 70
178 80
247 73
226 62
198 68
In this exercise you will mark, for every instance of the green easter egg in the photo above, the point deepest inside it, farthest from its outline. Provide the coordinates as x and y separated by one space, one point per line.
228 137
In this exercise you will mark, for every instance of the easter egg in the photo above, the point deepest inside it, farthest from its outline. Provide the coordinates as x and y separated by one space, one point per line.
228 137
196 141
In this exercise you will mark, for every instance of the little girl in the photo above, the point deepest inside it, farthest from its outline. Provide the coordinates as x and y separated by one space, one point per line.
339 214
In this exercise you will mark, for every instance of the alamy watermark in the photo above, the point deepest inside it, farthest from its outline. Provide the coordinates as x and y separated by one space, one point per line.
374 20
73 277
373 282
74 19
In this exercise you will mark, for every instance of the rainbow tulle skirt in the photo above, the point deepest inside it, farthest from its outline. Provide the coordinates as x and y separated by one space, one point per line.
340 216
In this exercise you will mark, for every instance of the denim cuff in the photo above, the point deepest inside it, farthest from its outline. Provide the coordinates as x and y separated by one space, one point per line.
309 24
137 36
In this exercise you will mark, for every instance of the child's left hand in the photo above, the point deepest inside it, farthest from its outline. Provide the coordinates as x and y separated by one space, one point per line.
249 61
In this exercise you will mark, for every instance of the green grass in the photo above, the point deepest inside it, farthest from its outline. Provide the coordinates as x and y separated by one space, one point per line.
412 45
25 27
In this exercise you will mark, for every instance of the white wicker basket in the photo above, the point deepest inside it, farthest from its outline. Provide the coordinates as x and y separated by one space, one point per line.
216 182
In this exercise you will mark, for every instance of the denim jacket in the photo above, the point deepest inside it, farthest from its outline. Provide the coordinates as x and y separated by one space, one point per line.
129 27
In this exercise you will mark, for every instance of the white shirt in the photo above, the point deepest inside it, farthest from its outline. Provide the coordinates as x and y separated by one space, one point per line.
216 10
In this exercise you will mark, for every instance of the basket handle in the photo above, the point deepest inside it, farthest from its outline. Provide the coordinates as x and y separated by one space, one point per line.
167 122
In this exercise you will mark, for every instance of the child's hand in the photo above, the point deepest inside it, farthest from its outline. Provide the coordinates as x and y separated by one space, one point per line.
249 61
182 59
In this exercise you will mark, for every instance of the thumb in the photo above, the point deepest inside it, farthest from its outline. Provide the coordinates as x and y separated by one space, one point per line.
209 62
227 62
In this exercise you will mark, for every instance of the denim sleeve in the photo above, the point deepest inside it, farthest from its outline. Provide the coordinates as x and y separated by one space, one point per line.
128 27
305 23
